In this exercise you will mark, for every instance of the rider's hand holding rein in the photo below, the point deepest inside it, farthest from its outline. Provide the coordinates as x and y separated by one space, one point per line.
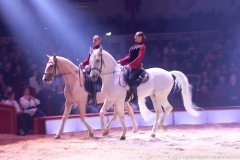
81 66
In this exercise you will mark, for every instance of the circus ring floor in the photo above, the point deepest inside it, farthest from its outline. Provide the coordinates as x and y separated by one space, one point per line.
211 141
179 141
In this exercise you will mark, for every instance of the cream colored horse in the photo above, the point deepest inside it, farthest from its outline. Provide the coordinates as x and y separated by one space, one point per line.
74 90
157 87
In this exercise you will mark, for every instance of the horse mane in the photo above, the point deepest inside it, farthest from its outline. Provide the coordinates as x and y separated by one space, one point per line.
104 52
110 56
59 58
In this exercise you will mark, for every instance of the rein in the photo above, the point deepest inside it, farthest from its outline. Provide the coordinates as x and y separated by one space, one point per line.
108 73
56 68
99 70
79 75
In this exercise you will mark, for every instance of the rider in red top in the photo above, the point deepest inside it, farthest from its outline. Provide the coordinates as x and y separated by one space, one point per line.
133 60
85 64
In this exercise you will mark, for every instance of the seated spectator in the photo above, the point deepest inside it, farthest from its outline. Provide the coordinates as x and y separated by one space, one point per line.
58 100
34 82
30 104
206 79
7 74
6 91
203 98
45 97
24 120
219 94
233 91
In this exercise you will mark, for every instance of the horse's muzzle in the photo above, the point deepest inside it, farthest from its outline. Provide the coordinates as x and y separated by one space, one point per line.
94 78
47 79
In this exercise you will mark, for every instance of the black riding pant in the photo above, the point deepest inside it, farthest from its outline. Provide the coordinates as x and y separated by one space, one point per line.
133 76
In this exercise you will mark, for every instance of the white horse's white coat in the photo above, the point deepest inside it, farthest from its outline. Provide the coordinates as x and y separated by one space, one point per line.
157 87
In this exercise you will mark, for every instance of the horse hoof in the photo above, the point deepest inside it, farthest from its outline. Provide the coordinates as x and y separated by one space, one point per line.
105 132
57 137
163 127
153 135
134 130
91 135
122 138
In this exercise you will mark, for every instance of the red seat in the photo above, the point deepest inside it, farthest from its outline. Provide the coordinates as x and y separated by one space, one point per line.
8 119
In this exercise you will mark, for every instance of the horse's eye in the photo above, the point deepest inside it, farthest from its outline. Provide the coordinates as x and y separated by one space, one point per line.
98 60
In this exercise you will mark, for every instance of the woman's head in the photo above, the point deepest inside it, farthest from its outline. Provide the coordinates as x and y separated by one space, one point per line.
139 37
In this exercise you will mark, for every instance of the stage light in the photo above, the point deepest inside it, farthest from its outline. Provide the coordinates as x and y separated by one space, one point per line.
60 18
20 21
108 34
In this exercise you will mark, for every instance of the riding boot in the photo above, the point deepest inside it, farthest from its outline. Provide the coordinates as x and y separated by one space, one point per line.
134 92
94 99
138 81
94 94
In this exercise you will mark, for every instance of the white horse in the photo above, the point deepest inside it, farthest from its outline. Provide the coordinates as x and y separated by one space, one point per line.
157 87
74 90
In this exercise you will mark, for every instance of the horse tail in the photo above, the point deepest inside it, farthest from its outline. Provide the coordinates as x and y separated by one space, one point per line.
182 83
145 112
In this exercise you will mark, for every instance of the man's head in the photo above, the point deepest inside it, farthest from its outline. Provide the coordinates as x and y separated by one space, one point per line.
10 95
26 90
96 40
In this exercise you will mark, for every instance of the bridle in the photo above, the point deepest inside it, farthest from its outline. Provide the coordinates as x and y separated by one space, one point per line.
55 69
107 73
100 69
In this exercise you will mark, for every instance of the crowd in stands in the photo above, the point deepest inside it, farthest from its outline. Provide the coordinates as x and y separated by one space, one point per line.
209 60
195 21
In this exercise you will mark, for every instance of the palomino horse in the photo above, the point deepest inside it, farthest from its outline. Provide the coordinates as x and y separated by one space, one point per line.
157 87
74 90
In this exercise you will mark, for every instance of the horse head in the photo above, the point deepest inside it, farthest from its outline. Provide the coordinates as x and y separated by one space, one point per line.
96 64
51 69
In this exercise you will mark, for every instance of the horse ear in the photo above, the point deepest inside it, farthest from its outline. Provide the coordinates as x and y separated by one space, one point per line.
90 50
48 56
100 51
54 57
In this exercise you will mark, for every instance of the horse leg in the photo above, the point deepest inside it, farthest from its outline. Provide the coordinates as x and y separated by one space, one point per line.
120 111
131 113
128 107
67 109
106 129
103 110
167 109
90 130
82 108
158 110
